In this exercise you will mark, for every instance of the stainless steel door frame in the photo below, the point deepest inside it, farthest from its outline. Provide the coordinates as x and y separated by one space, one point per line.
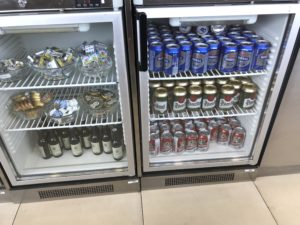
115 17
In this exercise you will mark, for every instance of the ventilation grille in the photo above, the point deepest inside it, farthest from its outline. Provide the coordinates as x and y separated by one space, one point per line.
199 179
65 192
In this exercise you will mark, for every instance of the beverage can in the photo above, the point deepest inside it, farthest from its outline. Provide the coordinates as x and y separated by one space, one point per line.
228 57
195 98
199 58
202 30
167 41
247 33
203 140
218 29
209 97
179 101
154 144
185 55
171 60
185 29
213 128
238 137
213 54
166 142
224 134
207 37
179 141
226 97
191 140
245 55
156 57
248 96
261 55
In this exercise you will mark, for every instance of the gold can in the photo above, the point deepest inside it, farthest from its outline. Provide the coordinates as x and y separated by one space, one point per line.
195 97
226 97
195 82
179 99
237 84
209 97
169 85
209 82
182 83
220 82
245 80
160 101
248 96
154 84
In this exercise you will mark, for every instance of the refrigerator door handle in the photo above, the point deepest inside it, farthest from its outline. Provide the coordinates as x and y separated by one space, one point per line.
141 18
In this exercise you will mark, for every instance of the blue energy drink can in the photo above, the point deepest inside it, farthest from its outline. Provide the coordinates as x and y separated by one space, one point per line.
224 39
156 57
165 31
180 38
254 38
247 33
239 39
171 59
233 34
199 58
191 35
245 55
167 41
213 54
207 37
153 39
185 55
149 29
152 33
228 58
166 35
261 55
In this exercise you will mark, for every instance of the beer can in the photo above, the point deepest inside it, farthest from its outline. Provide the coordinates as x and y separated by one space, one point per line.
171 60
165 31
195 82
237 28
245 55
180 38
247 33
200 125
191 35
176 127
166 35
167 41
213 128
153 39
218 29
245 80
254 38
202 30
166 142
179 142
209 81
238 137
185 55
203 140
209 97
224 40
154 144
196 40
190 126
156 57
152 33
220 82
191 137
233 122
182 83
185 29
219 37
237 84
261 55
233 34
207 37
228 57
164 26
226 97
152 87
150 29
169 85
179 99
239 39
160 100
213 54
199 58
177 32
194 98
224 134
248 96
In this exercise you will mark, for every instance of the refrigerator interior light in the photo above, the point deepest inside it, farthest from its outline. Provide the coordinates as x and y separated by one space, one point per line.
84 27
208 20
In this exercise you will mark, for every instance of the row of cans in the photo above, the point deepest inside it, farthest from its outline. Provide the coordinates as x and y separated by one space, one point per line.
181 136
171 52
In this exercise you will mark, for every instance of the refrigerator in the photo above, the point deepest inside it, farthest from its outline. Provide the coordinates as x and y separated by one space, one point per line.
89 93
165 160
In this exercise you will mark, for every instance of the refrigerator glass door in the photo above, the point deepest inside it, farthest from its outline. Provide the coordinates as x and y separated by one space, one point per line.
61 94
161 148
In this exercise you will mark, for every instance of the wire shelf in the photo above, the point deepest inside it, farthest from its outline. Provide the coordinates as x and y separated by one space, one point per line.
34 80
82 118
208 75
236 111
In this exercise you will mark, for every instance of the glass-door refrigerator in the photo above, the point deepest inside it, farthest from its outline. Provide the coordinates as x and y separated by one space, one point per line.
65 105
209 77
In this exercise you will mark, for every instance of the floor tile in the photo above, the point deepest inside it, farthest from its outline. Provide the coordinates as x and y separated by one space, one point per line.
8 209
282 195
220 204
109 210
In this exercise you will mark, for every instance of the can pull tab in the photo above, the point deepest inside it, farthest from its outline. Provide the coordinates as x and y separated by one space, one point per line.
22 3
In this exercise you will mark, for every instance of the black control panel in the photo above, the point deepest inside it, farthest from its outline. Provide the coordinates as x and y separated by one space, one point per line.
93 3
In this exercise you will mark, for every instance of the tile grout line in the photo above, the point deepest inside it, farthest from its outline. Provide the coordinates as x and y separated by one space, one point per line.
265 203
142 208
17 213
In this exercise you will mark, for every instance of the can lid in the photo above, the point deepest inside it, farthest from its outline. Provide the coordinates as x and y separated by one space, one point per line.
210 89
227 89
182 83
195 90
209 81
161 92
168 83
195 82
236 84
245 80
222 81
239 129
179 91
249 88
154 84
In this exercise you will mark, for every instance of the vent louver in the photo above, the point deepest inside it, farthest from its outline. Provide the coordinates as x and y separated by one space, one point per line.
76 191
199 179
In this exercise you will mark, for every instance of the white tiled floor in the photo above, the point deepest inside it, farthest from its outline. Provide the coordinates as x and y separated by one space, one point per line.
267 201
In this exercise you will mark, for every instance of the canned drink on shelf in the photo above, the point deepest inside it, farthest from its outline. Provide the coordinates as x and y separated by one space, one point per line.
177 32
190 126
163 122
199 58
150 29
176 127
154 144
156 57
236 28
213 54
196 40
152 33
218 29
191 35
160 100
153 38
245 55
239 39
179 142
261 55
166 142
224 134
248 96
238 137
171 60
209 81
220 82
233 122
179 100
163 26
233 34
152 87
213 128
195 82
209 97
164 127
226 97
166 35
200 125
191 140
169 85
182 83
185 29
247 33
237 87
185 55
194 98
224 40
254 38
154 128
245 80
180 38
228 57
207 37
202 30
167 41
221 120
203 140
165 31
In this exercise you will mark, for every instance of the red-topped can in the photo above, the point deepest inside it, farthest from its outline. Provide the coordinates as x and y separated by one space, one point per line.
224 134
238 137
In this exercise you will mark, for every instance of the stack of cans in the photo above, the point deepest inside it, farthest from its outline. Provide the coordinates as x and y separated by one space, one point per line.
227 49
